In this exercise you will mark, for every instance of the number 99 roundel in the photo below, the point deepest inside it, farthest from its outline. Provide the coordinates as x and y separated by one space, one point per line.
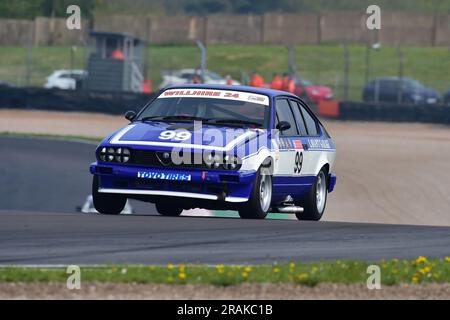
298 162
175 135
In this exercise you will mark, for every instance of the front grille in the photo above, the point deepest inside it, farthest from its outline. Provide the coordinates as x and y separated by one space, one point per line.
155 158
144 157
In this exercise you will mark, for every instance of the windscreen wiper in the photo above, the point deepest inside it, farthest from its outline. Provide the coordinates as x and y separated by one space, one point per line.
173 118
237 122
151 118
185 118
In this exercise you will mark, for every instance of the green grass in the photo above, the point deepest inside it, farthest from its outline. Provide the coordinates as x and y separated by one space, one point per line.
44 61
322 64
234 214
50 136
393 272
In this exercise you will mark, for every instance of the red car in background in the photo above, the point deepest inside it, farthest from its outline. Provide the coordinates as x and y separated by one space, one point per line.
315 93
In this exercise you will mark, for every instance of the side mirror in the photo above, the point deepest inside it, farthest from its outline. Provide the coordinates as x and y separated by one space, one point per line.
283 126
130 115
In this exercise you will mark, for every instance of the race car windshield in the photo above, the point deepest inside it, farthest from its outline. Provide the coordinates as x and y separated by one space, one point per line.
209 110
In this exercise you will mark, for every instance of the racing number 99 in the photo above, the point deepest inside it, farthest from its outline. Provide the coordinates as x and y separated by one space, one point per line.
298 162
175 135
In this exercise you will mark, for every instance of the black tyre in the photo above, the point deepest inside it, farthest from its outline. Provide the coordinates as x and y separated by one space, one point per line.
167 208
260 200
110 204
315 203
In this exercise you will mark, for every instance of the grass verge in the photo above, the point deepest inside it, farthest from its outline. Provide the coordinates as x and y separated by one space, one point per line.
393 272
74 138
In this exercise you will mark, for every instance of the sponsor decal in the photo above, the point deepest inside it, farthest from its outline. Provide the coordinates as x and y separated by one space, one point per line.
191 93
282 144
164 176
256 98
217 94
289 144
298 145
319 144
286 144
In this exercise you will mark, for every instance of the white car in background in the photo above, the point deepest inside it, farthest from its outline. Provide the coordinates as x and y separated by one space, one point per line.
185 76
65 79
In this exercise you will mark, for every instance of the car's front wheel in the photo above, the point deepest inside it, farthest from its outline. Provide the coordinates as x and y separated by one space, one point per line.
167 208
110 204
258 205
314 204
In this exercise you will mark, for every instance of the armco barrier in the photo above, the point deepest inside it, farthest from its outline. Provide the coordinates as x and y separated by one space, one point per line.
328 108
68 100
385 112
119 102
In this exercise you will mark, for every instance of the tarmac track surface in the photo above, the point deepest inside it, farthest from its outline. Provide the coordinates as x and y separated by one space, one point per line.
44 176
47 175
55 238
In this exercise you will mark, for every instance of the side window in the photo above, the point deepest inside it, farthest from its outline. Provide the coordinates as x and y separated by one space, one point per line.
187 76
311 124
284 113
298 118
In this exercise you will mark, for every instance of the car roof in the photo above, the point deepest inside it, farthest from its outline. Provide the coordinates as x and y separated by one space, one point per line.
186 70
265 91
393 79
69 71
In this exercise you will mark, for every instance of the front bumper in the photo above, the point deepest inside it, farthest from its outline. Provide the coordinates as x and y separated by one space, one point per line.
332 182
225 186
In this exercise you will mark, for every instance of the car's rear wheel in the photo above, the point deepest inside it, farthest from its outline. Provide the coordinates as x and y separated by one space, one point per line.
260 200
315 203
167 208
110 204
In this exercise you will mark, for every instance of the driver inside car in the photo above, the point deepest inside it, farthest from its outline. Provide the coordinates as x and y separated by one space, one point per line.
191 110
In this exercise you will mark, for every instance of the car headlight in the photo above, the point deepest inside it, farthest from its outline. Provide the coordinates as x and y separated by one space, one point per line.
165 158
102 154
209 160
231 162
110 152
119 155
219 161
122 155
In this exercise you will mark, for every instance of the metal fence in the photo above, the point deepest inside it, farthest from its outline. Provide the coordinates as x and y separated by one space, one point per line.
343 68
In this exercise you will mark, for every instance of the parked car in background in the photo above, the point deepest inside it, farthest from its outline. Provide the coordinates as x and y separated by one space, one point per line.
65 79
186 76
315 93
446 97
395 89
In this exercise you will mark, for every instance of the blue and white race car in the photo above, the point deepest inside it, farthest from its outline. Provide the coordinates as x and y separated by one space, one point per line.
252 150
